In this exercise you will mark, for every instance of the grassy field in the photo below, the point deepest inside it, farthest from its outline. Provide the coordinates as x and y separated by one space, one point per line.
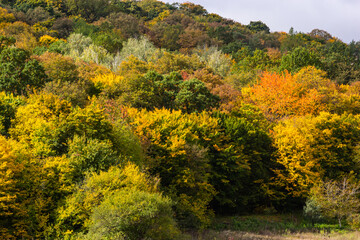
273 227
237 235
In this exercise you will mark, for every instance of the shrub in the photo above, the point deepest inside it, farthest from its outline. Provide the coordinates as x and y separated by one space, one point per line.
133 215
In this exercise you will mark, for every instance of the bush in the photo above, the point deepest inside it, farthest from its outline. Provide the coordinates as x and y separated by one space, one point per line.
133 215
75 215
335 199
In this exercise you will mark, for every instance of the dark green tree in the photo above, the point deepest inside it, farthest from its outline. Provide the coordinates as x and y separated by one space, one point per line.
258 26
18 72
195 97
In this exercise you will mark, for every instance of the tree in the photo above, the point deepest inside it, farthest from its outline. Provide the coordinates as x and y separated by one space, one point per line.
336 199
18 72
176 146
36 123
8 107
129 26
5 16
133 214
258 26
22 32
89 155
88 9
140 48
215 59
298 58
311 149
10 207
280 95
192 8
77 93
241 160
6 42
193 96
192 38
110 41
59 67
342 61
171 62
63 27
74 216
320 34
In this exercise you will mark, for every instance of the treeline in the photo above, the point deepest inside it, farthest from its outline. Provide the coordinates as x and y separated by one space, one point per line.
137 119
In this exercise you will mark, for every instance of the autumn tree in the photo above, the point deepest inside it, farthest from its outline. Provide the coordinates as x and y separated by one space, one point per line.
336 199
314 148
170 62
58 67
176 146
10 207
280 95
83 209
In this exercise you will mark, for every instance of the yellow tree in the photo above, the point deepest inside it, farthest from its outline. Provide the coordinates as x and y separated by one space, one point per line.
314 148
10 208
176 151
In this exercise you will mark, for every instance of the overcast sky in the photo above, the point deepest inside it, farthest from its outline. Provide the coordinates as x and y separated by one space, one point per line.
341 18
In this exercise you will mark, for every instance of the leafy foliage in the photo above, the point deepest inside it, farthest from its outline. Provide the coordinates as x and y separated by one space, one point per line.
19 72
336 199
221 117
312 149
133 215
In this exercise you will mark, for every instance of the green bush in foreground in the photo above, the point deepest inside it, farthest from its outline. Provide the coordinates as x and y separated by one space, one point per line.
133 214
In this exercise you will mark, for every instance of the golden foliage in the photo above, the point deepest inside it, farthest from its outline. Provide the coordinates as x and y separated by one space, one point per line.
280 96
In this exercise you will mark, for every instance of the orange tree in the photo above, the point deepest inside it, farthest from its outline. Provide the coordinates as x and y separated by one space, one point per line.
280 95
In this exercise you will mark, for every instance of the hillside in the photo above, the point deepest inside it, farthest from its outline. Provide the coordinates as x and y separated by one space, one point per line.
145 120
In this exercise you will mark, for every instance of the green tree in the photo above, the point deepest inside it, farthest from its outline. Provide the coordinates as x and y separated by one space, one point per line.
6 42
258 26
298 58
8 107
89 9
18 72
74 216
195 97
133 214
89 155
241 161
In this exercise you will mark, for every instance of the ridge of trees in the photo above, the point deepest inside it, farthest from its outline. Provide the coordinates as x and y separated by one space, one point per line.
137 119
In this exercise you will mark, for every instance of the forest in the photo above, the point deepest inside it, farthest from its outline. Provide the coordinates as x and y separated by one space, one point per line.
125 119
